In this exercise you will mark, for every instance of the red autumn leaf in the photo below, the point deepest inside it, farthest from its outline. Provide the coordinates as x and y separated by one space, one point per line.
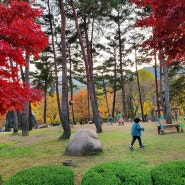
168 22
19 35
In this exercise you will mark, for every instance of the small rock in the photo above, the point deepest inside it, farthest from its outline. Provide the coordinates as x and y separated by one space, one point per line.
67 163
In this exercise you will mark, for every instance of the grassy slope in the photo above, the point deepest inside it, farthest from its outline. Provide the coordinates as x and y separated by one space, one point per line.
42 147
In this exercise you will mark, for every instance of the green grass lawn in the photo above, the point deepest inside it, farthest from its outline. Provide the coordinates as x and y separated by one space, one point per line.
42 147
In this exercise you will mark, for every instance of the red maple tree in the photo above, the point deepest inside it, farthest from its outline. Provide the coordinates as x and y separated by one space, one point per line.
168 22
20 36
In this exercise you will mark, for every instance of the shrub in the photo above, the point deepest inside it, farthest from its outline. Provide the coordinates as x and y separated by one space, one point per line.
117 173
0 179
43 175
169 173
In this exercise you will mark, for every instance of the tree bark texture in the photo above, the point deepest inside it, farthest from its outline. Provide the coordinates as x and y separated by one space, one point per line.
166 88
114 86
156 88
139 89
25 114
121 73
64 114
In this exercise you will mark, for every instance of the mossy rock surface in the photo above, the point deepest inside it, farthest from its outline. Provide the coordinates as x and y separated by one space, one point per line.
117 173
43 175
171 173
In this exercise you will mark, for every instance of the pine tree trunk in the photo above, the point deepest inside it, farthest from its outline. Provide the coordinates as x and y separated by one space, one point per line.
25 114
24 120
114 87
66 126
121 73
156 87
88 105
64 114
106 99
139 89
168 116
15 122
31 123
71 86
162 103
45 108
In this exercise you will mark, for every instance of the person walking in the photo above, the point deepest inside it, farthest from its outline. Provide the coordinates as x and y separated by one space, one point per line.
110 119
120 118
136 133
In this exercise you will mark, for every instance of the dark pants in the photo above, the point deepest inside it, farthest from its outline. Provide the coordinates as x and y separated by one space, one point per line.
134 139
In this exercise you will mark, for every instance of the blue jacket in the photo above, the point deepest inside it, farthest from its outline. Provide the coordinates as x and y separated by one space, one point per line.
136 129
159 120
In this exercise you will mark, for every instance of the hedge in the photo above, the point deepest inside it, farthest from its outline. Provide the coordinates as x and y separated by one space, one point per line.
43 175
107 173
117 173
169 173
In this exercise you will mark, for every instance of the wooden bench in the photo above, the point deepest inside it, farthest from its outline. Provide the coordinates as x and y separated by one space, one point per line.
161 128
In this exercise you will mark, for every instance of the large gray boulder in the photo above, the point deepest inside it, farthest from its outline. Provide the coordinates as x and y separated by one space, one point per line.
84 142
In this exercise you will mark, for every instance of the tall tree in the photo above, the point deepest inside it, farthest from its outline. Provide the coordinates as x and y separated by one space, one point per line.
64 114
119 14
167 20
138 84
19 35
51 22
167 108
44 78
25 113
109 68
156 85
88 67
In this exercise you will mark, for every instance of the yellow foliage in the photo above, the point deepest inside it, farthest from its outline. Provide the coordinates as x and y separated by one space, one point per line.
52 115
81 104
147 106
80 107
102 105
